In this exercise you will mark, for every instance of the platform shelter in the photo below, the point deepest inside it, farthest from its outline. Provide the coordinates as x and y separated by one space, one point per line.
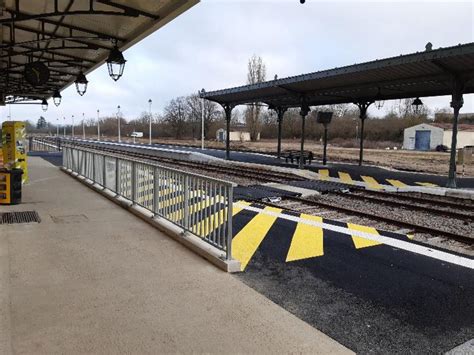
432 72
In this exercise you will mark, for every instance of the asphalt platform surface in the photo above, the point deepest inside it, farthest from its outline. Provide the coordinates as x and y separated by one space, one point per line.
378 299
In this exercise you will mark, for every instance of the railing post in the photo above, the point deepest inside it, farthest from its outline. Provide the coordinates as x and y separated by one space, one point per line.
104 172
134 182
117 179
156 189
186 202
93 168
230 202
65 159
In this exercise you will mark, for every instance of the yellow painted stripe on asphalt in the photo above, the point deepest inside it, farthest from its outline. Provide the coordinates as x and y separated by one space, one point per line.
360 242
246 242
371 182
210 223
323 174
397 183
345 178
428 184
307 241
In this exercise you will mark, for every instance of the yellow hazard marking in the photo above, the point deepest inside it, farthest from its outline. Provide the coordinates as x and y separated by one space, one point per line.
371 182
397 183
198 206
210 223
246 242
345 178
307 240
360 242
323 174
428 184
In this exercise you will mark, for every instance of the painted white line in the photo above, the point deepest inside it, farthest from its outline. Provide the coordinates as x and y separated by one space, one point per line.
396 243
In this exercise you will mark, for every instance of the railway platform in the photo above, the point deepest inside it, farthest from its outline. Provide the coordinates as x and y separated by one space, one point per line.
372 176
93 278
368 288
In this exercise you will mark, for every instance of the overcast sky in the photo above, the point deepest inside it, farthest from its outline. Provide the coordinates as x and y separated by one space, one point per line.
209 46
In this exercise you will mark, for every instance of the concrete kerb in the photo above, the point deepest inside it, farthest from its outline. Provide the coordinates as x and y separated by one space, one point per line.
192 242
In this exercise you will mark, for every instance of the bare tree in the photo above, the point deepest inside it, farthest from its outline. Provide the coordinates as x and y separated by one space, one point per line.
403 108
212 113
256 74
175 115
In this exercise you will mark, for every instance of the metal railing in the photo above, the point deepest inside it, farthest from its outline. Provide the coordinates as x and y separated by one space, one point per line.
44 144
198 204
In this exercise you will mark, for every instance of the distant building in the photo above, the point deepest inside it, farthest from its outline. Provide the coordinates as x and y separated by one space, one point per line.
238 133
428 136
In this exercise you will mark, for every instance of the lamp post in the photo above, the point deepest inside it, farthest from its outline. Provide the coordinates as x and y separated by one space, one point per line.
64 127
57 127
150 118
83 128
202 118
72 130
118 123
98 125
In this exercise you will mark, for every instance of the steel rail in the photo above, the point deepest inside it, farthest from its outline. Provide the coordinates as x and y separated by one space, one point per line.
400 195
455 214
415 226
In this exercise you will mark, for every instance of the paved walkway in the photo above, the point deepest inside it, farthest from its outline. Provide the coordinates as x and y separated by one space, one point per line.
92 278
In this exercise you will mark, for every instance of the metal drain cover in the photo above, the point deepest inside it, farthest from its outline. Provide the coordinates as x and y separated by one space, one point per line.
19 217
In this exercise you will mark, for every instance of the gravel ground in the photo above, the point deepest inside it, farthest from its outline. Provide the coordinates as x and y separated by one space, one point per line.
429 162
435 203
450 224
438 241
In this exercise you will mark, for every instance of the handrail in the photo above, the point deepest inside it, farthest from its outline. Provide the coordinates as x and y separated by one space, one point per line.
199 204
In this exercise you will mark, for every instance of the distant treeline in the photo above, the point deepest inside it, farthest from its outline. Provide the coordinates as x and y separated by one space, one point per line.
182 120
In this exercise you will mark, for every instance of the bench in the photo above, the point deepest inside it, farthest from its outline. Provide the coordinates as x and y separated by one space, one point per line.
293 155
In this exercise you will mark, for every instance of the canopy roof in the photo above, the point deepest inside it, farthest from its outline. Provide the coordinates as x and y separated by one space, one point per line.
71 35
428 73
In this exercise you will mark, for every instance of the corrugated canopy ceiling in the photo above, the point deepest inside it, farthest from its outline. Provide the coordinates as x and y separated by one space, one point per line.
428 73
71 35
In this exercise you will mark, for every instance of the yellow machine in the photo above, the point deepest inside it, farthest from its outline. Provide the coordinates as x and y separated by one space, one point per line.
14 147
10 186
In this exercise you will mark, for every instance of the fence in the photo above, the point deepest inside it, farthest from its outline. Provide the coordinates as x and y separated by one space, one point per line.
44 144
198 204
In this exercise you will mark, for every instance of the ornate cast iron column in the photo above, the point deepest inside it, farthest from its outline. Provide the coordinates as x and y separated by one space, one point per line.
228 115
457 102
303 112
363 106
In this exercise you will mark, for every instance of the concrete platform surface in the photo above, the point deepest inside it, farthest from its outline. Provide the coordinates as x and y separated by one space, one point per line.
93 278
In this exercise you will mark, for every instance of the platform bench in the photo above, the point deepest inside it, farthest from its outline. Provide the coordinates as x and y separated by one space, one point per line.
292 155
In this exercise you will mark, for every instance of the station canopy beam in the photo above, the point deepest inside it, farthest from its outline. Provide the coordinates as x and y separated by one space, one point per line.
439 72
69 37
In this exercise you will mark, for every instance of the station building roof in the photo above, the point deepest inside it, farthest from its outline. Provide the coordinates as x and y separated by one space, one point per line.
421 74
70 36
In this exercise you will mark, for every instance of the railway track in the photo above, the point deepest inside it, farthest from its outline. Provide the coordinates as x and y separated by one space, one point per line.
263 175
455 208
305 204
434 206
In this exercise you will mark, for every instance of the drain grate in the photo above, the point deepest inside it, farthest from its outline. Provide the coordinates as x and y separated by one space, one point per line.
19 217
